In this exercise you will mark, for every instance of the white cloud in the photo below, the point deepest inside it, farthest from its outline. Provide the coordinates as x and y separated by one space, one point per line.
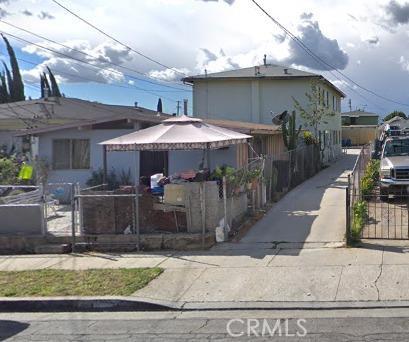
230 2
69 70
214 62
45 15
372 40
341 84
168 74
404 63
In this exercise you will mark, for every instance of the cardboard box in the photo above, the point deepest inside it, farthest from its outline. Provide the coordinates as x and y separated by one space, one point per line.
174 194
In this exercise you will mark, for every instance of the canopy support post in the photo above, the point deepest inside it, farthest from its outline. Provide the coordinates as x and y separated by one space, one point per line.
207 158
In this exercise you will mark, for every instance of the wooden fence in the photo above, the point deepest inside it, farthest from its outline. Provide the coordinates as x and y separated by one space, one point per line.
359 135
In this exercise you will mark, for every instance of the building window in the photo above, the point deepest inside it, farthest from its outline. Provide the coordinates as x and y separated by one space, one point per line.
327 99
333 102
71 154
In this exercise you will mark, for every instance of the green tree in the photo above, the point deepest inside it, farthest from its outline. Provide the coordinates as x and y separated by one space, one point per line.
9 81
55 90
159 106
45 85
4 93
316 112
16 85
393 114
50 86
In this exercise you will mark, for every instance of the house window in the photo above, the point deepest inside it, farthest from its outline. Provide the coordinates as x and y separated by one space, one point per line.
327 99
71 154
333 102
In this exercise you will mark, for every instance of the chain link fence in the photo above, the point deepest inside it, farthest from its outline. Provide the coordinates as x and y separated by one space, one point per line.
289 169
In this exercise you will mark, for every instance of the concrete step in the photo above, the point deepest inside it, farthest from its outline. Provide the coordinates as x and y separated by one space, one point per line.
53 249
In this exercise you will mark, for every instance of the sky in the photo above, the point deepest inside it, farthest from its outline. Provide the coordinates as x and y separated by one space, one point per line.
366 40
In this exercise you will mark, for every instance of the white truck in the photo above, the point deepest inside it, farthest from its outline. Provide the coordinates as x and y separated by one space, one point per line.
394 167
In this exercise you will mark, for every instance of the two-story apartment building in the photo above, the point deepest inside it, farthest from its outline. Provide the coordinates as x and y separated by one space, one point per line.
254 94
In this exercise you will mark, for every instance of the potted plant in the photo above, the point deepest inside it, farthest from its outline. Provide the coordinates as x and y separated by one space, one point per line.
253 177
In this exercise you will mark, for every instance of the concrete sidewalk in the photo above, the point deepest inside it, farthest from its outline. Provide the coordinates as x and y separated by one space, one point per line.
312 212
315 275
303 267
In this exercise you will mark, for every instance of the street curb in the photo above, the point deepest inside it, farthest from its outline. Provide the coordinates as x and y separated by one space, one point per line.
82 304
116 304
266 305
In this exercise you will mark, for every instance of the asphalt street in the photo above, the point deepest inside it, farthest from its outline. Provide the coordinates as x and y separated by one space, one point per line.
313 325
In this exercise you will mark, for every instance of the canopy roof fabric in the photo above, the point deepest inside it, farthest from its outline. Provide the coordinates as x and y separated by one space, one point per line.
177 133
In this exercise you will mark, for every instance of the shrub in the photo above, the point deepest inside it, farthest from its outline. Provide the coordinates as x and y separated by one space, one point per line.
309 138
360 214
9 169
97 178
371 176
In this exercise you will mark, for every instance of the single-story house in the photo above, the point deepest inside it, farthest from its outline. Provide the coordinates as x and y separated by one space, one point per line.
72 152
359 118
359 127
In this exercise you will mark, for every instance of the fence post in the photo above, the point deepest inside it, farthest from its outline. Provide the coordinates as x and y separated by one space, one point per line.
348 212
138 233
73 238
225 204
203 210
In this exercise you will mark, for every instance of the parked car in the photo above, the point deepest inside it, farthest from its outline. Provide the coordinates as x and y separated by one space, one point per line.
394 169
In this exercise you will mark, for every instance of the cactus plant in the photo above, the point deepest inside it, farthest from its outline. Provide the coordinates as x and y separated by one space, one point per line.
290 133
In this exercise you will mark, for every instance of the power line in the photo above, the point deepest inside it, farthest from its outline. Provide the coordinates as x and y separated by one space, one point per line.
322 61
91 80
116 40
87 104
93 57
78 60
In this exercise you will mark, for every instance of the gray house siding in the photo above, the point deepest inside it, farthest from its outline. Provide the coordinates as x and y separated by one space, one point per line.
178 160
185 160
117 160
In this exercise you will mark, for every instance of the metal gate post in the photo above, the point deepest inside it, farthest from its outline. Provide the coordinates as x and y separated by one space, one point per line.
348 211
73 238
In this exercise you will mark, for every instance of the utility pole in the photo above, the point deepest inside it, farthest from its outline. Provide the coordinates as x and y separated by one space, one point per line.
350 105
178 108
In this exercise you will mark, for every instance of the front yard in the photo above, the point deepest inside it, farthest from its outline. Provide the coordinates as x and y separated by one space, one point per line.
94 282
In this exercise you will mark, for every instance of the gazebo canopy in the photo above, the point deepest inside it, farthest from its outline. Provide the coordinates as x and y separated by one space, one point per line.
177 133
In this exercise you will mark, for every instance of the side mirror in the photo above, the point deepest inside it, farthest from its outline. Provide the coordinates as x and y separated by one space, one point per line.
375 155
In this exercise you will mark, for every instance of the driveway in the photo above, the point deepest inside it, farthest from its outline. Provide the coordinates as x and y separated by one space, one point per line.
313 212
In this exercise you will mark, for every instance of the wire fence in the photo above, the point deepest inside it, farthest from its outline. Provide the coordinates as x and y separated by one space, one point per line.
358 171
216 203
289 169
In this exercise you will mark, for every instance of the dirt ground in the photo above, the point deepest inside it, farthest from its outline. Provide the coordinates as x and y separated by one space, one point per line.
387 219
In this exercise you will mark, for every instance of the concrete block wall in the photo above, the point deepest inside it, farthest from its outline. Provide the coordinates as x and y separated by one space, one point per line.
22 219
214 207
